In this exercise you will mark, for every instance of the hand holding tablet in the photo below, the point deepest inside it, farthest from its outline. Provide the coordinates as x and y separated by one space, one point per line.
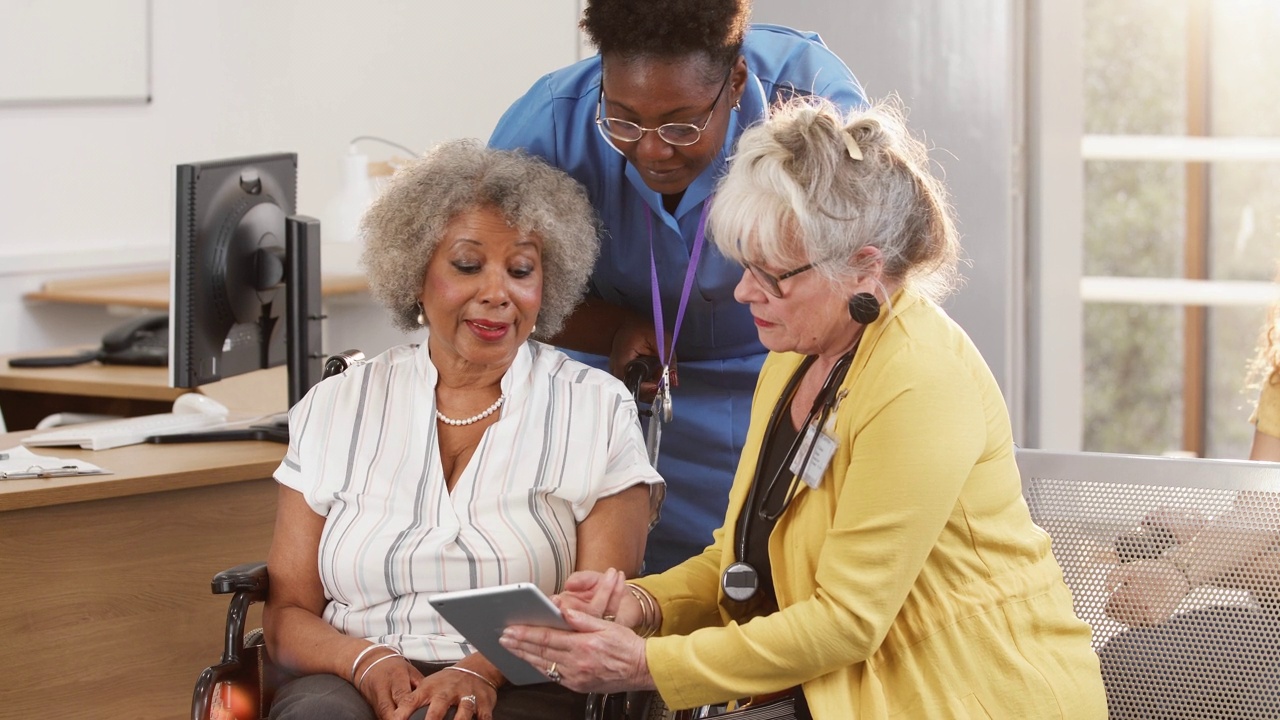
481 615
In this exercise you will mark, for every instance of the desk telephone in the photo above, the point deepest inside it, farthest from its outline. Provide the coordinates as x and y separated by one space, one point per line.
141 341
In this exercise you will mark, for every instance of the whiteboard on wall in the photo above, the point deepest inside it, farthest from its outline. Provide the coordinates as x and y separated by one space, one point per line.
75 51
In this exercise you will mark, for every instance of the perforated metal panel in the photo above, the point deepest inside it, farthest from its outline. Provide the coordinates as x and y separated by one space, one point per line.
1129 533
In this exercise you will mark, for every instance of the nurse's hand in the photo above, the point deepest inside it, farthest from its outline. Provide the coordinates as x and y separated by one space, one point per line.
636 337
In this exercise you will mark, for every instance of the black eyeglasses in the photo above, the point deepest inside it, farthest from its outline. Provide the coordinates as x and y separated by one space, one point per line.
768 282
679 134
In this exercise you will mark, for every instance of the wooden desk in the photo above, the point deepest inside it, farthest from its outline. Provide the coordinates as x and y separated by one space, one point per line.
29 394
106 610
151 289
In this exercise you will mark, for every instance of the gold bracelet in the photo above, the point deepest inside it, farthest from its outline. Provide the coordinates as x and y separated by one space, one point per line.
487 681
648 626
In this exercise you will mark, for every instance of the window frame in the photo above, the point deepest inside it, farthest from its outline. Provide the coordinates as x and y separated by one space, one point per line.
1058 149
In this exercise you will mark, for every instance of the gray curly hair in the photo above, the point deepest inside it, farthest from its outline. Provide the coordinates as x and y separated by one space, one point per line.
794 195
404 225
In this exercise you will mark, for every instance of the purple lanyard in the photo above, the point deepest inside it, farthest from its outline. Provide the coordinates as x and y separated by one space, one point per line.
699 239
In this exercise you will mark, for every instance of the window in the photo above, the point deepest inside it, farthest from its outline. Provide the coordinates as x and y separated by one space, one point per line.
1181 219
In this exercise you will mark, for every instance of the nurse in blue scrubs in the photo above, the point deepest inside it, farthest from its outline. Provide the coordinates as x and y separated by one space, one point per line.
647 126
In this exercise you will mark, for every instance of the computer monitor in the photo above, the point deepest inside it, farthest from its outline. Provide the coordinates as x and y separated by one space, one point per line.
245 287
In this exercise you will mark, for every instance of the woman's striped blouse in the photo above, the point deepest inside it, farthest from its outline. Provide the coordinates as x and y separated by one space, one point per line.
363 452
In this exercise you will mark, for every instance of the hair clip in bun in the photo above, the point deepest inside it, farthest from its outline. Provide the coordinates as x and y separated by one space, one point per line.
851 145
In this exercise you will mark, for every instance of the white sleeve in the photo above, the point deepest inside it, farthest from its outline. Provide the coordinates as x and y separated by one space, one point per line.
295 472
628 459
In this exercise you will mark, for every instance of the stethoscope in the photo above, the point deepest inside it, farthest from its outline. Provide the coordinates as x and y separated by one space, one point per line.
740 579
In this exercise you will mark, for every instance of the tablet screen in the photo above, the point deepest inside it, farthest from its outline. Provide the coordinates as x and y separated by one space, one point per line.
480 615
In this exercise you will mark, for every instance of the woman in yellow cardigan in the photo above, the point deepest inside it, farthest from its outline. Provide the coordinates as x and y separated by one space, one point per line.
889 567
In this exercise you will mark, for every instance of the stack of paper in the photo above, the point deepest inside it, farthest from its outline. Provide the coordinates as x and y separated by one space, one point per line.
18 462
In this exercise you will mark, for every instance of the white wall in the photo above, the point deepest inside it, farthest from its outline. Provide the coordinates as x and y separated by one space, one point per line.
87 189
90 188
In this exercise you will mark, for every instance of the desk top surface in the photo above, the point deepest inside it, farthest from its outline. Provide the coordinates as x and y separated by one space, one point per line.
92 379
151 289
261 392
139 469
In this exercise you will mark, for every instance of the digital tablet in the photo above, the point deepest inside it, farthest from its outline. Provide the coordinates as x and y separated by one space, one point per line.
482 614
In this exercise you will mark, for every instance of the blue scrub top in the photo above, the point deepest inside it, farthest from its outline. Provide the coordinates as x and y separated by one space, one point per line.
718 351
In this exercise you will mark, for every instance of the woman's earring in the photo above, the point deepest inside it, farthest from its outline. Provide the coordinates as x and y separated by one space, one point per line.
864 308
422 315
737 104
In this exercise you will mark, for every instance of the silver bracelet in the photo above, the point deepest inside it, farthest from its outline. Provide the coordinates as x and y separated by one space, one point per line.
472 672
360 657
364 674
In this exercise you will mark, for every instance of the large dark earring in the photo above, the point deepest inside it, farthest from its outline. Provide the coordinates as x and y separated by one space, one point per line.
864 308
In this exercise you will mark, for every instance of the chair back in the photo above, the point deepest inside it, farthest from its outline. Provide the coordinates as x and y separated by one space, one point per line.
1219 654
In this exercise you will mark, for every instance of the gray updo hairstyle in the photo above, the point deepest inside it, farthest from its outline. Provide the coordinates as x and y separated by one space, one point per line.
794 195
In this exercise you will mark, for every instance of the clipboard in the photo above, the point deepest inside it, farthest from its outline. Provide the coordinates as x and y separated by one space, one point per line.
19 463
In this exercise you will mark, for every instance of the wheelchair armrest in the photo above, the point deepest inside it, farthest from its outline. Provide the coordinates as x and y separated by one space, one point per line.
630 705
249 582
248 578
240 662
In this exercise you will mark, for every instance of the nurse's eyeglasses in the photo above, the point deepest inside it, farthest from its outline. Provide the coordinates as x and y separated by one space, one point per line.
678 134
769 282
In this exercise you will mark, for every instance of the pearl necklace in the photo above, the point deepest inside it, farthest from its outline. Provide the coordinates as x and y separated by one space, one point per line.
474 418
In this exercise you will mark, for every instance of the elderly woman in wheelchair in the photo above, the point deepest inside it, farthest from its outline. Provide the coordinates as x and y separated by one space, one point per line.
877 559
477 457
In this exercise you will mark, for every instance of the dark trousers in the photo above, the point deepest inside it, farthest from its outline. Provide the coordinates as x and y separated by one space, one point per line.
329 697
1215 662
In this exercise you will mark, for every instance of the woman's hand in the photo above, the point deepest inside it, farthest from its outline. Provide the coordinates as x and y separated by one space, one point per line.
636 337
601 595
388 687
1145 592
442 690
596 656
1183 525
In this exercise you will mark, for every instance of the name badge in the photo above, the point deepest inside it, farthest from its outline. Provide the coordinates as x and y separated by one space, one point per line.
819 457
662 406
653 437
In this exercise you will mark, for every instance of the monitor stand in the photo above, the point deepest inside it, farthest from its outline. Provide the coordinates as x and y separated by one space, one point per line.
302 327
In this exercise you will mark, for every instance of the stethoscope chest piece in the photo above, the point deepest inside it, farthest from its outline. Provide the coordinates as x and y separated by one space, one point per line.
740 581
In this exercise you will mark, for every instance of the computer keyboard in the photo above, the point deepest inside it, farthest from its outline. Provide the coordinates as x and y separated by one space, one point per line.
125 431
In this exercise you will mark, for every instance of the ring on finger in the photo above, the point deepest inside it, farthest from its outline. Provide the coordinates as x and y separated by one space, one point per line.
468 698
552 674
